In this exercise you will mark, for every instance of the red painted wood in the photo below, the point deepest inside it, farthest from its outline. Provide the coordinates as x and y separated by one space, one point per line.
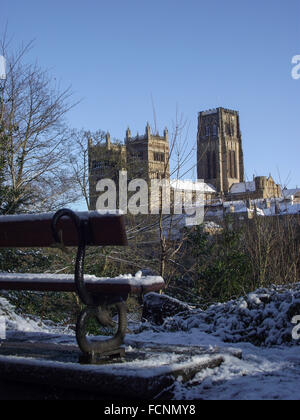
35 230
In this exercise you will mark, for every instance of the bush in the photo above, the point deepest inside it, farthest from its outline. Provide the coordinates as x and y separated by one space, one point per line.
244 256
222 268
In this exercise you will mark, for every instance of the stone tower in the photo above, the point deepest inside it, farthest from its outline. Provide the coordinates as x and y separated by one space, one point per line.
148 154
143 156
220 160
105 161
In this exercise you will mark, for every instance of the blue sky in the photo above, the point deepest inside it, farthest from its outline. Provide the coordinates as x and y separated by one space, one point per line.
188 55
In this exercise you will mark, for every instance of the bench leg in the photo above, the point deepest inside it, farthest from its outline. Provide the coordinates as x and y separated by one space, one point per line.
94 351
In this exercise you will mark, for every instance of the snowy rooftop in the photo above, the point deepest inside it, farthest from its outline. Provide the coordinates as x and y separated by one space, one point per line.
289 193
243 187
189 185
276 206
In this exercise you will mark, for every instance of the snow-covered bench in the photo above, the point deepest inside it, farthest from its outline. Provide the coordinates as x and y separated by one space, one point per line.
67 228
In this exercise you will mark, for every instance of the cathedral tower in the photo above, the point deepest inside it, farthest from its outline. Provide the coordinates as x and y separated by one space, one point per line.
220 160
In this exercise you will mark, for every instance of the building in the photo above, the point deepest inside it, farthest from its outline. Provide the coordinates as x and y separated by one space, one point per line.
260 187
220 160
148 155
143 156
292 195
105 161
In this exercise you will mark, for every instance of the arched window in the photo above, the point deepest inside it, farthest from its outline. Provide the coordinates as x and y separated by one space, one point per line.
208 165
214 164
228 129
232 165
215 130
229 164
211 165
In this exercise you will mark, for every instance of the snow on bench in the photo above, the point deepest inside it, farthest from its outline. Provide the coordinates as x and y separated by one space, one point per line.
124 284
67 228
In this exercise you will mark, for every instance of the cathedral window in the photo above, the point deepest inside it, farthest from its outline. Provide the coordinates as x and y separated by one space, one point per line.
138 155
211 165
214 164
228 129
208 165
100 164
159 157
232 165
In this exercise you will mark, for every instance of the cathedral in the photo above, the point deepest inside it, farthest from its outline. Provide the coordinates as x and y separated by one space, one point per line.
142 156
220 160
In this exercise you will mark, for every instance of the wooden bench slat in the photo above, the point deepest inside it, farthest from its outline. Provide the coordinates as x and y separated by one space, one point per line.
21 231
65 283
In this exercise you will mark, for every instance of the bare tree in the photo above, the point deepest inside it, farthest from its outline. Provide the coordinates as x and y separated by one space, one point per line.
79 159
156 241
176 165
32 114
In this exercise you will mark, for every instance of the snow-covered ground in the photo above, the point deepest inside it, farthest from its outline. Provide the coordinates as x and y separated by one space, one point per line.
18 323
269 371
263 373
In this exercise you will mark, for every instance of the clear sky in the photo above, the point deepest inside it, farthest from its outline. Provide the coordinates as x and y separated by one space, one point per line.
189 55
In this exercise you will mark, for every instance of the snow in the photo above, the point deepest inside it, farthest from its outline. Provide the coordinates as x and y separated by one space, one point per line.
290 193
127 279
269 370
211 225
16 322
271 374
243 187
162 364
190 185
291 209
262 318
215 210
